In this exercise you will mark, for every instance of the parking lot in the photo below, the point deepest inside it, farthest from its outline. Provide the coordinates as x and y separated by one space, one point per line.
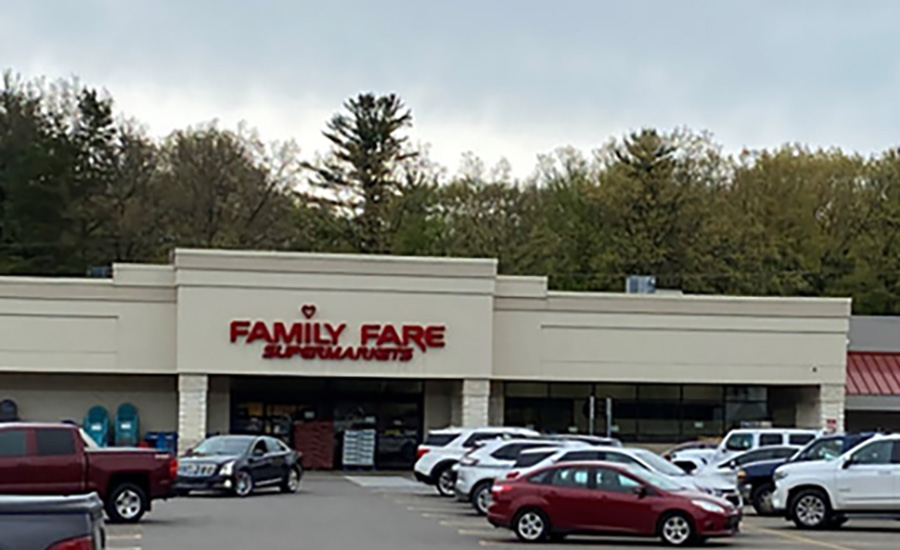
334 511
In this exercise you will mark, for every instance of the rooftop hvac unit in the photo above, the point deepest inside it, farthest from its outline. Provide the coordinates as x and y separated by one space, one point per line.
640 284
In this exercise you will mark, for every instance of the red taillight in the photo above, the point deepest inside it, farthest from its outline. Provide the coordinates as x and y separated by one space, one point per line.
421 451
81 543
173 468
499 488
512 474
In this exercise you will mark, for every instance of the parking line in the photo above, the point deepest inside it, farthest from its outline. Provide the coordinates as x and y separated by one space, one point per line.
441 515
799 538
430 509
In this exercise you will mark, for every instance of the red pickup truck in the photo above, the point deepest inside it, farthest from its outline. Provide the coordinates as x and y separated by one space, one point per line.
60 459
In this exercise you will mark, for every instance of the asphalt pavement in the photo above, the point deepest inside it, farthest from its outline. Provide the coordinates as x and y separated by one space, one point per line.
334 511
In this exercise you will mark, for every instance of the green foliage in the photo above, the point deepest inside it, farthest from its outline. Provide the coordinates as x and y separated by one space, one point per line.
80 188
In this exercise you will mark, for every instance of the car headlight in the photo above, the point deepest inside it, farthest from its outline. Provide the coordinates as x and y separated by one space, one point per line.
227 468
780 474
708 506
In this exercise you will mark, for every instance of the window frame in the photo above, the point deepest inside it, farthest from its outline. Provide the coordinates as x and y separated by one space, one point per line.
25 445
44 432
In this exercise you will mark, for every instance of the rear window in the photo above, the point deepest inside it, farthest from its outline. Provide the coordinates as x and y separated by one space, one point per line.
439 440
801 439
511 451
54 442
530 459
12 443
769 439
478 437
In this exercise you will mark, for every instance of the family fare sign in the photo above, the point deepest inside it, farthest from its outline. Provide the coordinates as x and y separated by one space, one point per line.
334 341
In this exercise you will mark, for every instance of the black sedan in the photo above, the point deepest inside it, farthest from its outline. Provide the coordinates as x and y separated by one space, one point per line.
239 464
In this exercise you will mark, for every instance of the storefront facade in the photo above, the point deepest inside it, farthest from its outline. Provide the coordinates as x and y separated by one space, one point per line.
224 341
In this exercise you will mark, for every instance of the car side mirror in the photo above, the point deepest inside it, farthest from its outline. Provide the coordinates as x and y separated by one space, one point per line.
641 491
732 464
847 463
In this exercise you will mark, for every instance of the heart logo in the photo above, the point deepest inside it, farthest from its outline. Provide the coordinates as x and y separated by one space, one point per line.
308 311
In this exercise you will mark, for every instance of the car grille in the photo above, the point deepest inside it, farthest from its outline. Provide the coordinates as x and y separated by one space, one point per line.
196 470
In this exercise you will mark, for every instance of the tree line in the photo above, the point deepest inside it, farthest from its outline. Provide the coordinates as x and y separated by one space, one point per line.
82 187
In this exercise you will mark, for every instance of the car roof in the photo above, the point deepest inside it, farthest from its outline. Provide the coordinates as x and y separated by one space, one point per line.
21 425
774 430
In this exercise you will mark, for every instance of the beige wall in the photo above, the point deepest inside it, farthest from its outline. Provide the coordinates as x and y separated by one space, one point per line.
666 339
124 325
215 288
218 410
57 397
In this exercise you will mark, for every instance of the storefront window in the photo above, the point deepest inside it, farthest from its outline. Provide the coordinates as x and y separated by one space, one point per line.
570 390
526 389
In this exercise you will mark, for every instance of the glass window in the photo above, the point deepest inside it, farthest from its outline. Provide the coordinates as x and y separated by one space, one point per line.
570 390
622 458
746 393
739 442
530 459
576 478
54 442
511 451
526 389
440 439
766 440
575 456
659 392
12 443
878 452
616 391
658 463
800 439
714 394
826 449
612 481
259 448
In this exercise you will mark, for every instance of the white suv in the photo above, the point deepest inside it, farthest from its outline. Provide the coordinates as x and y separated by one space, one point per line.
639 458
743 440
824 493
476 472
443 448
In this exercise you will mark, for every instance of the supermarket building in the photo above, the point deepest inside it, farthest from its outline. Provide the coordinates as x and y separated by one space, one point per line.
300 344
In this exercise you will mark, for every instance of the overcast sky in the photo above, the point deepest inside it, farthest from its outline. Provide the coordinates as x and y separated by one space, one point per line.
501 78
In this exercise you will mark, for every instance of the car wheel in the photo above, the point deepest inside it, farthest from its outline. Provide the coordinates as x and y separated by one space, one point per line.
446 481
291 483
677 529
761 498
481 497
126 503
531 525
243 484
809 509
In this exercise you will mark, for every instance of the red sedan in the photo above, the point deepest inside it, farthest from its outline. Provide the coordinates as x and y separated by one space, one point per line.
606 498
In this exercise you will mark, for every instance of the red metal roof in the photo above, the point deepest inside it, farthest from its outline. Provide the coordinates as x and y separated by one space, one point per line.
873 373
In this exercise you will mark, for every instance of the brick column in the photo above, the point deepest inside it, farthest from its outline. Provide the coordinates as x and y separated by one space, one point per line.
476 393
192 396
831 406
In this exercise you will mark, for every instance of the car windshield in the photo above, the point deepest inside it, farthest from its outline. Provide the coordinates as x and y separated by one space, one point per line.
823 449
226 446
659 463
657 480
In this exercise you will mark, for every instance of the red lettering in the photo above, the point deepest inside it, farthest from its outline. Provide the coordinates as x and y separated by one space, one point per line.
260 332
414 333
335 332
434 336
382 354
293 350
366 353
406 354
238 328
317 335
349 353
281 334
323 353
308 352
368 332
271 351
388 336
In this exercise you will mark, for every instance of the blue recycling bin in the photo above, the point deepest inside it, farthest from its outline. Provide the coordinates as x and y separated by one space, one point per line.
164 441
127 426
96 424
